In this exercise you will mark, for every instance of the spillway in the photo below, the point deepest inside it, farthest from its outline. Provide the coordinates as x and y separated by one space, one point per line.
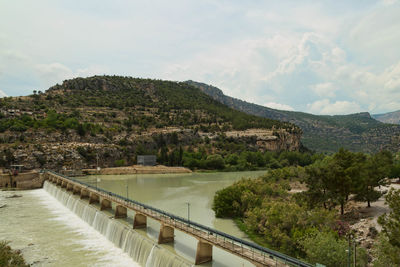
141 249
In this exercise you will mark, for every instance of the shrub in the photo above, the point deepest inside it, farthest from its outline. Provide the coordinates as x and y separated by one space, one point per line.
120 162
9 257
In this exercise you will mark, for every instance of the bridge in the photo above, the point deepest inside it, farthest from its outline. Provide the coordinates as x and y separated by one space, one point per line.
206 236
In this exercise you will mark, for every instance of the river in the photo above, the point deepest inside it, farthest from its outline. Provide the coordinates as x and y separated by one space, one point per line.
48 233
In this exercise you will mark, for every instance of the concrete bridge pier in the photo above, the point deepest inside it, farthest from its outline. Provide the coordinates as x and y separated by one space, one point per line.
84 193
59 182
105 204
94 198
166 234
70 187
76 190
64 184
203 252
120 212
139 221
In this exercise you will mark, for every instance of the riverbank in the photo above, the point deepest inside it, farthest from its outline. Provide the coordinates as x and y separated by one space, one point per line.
137 169
10 257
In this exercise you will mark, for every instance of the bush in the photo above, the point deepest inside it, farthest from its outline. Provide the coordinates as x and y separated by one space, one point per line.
385 253
232 159
282 224
326 248
120 162
9 257
215 162
233 201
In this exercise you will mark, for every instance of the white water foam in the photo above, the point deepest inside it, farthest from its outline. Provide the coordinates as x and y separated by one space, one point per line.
140 249
91 239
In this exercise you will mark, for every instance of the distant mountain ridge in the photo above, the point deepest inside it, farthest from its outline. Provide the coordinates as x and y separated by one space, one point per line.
390 117
323 133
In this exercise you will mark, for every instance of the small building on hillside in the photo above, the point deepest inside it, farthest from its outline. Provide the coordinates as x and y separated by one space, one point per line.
147 160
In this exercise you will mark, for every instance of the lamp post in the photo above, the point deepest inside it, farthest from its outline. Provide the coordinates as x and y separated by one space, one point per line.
350 236
127 191
355 254
188 210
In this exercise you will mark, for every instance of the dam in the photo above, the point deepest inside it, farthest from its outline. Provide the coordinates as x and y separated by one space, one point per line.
96 200
139 248
99 207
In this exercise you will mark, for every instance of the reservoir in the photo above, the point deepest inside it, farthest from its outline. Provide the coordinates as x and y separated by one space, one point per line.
186 195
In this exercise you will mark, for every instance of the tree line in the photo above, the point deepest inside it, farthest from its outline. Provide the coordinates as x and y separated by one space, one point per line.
309 224
332 180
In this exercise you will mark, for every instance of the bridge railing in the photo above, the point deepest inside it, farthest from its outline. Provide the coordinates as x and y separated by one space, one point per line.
228 240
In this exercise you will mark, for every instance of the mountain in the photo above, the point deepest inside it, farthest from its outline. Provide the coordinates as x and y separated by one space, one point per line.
390 117
356 132
115 117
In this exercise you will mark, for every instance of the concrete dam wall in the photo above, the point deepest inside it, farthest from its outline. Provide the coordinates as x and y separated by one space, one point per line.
141 249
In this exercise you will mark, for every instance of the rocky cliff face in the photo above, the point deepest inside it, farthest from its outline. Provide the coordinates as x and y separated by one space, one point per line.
112 119
60 151
356 132
269 140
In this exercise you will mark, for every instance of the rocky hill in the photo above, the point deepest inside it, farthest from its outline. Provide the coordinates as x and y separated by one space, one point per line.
356 132
111 119
390 117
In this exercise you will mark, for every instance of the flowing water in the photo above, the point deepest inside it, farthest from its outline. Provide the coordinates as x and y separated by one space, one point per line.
49 234
186 195
139 248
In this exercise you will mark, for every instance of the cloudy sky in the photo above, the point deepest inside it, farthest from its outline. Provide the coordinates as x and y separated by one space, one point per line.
323 57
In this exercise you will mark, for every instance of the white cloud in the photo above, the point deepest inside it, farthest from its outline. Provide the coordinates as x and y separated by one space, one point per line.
325 107
278 106
324 89
389 2
55 70
2 94
377 91
374 38
276 52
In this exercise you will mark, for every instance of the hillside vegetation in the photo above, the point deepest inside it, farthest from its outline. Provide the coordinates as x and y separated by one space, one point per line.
357 132
115 118
314 223
139 103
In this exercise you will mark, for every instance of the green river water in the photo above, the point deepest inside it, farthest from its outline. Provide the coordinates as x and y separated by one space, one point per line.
48 234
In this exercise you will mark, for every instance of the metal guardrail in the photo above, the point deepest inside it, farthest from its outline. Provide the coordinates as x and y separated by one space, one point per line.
263 251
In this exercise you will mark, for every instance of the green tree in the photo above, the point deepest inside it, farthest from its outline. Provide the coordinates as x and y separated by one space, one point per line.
334 178
215 162
385 253
317 183
374 172
232 159
391 222
282 224
163 158
328 249
344 172
120 162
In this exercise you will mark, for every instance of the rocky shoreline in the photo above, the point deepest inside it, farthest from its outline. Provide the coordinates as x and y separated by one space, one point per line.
137 169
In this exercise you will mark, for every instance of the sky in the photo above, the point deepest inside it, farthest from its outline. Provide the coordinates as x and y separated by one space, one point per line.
321 57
